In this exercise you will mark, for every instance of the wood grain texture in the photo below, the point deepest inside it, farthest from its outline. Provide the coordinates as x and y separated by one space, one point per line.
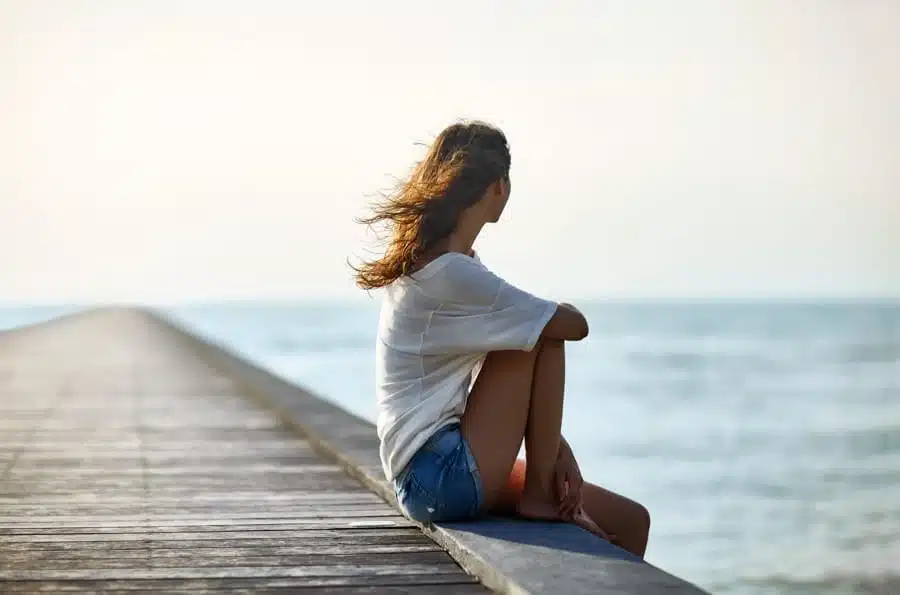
128 464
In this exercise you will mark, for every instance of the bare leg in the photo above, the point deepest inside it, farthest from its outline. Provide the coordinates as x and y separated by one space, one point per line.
627 519
542 433
624 520
518 395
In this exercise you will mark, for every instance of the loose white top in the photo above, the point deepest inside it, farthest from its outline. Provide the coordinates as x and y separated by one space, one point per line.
436 327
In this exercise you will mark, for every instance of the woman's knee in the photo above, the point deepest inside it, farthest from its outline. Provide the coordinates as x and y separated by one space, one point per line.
642 518
518 357
547 343
619 513
635 515
550 352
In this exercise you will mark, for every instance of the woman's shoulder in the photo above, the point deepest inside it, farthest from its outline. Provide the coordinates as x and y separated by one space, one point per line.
459 278
447 262
452 267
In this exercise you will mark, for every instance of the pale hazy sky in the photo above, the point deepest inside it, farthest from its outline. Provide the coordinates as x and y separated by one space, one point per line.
168 150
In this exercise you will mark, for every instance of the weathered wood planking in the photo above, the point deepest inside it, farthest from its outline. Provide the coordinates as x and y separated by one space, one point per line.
126 464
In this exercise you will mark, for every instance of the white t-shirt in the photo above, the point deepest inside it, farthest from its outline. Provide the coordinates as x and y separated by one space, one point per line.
436 327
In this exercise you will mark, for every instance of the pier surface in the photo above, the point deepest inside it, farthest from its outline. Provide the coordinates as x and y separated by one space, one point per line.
129 464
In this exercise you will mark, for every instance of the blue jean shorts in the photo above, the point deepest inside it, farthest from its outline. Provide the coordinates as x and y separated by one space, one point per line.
441 482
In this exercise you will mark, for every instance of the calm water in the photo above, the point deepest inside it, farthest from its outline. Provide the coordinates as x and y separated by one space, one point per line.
764 439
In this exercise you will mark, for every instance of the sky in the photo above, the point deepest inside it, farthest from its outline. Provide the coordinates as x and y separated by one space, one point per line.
180 151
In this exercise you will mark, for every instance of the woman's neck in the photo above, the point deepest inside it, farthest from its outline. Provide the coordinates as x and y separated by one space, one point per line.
463 238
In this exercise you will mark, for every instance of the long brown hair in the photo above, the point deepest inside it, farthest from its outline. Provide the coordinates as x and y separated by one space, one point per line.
461 163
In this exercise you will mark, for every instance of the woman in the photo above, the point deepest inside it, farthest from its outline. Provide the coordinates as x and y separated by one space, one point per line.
467 365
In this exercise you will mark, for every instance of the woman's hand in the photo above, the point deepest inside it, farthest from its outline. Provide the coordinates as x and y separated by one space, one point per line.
568 491
568 482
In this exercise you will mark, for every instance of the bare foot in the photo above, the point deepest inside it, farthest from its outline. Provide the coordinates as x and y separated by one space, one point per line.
582 519
537 508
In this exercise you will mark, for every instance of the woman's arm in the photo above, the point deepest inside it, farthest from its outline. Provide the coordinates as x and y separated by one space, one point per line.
567 324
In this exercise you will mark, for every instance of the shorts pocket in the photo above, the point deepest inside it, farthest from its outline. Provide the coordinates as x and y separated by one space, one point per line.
439 484
460 497
418 503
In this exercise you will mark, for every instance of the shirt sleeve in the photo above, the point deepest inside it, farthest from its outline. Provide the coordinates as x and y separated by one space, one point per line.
481 312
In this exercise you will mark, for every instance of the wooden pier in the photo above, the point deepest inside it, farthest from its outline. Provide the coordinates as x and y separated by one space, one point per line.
135 456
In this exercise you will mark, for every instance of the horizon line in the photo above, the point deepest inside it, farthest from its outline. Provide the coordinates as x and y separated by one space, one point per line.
824 299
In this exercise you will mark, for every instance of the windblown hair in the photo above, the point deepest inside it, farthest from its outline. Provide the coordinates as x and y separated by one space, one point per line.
422 212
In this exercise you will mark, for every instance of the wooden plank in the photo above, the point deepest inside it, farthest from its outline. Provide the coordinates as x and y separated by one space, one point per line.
223 525
322 571
259 544
19 492
139 515
212 558
300 496
63 459
60 484
185 444
219 547
153 507
111 519
439 584
396 534
181 473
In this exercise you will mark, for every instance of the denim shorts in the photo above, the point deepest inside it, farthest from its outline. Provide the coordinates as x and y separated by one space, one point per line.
441 482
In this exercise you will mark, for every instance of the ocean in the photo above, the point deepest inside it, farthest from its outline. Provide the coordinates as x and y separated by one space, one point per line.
763 437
